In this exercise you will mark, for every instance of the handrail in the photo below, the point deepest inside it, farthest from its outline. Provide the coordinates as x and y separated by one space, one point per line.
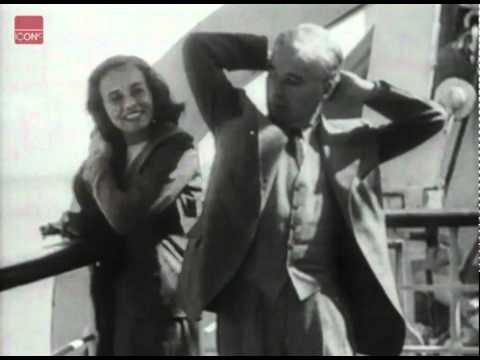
433 350
431 218
74 345
73 255
62 258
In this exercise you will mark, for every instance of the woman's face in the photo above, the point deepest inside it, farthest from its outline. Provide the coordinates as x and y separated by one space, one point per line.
127 98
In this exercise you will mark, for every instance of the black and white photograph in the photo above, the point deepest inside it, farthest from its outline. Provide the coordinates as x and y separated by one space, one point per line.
239 179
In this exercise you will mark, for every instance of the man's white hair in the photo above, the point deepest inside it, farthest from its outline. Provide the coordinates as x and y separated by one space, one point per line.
315 46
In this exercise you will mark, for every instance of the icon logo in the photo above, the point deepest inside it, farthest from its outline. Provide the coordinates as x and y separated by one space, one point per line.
28 30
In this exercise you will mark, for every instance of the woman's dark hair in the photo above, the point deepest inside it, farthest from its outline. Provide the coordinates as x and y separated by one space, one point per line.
164 109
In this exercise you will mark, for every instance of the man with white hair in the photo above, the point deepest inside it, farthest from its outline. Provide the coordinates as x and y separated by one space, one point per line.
291 249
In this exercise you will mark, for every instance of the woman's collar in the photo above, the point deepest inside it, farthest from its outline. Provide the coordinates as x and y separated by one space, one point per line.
150 133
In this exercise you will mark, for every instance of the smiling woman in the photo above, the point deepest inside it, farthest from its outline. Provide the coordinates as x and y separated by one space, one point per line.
139 165
126 98
44 137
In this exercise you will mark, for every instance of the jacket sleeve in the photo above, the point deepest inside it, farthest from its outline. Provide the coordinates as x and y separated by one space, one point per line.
154 188
411 121
206 56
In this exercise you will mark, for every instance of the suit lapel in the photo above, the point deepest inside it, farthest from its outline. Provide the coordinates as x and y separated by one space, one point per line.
341 162
271 141
349 164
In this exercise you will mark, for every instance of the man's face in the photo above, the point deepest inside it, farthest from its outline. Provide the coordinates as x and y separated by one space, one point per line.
127 98
294 89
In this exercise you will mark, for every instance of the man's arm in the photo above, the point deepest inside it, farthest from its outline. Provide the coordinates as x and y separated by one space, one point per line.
411 120
206 56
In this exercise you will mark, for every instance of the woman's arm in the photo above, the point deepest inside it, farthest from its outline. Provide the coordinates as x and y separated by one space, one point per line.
162 178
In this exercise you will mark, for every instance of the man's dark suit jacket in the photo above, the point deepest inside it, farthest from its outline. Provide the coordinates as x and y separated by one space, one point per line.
247 148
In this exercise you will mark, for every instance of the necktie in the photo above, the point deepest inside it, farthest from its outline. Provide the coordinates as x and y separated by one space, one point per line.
295 146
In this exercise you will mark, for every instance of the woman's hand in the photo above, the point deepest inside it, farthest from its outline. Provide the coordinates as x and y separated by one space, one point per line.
98 146
99 154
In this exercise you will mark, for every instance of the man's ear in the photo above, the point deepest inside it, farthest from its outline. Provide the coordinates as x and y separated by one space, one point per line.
333 86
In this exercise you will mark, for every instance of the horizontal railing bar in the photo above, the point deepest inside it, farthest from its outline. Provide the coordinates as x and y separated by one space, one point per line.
425 287
434 218
429 349
66 257
74 255
74 345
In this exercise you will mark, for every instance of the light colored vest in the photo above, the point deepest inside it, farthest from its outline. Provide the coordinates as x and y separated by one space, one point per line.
297 233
